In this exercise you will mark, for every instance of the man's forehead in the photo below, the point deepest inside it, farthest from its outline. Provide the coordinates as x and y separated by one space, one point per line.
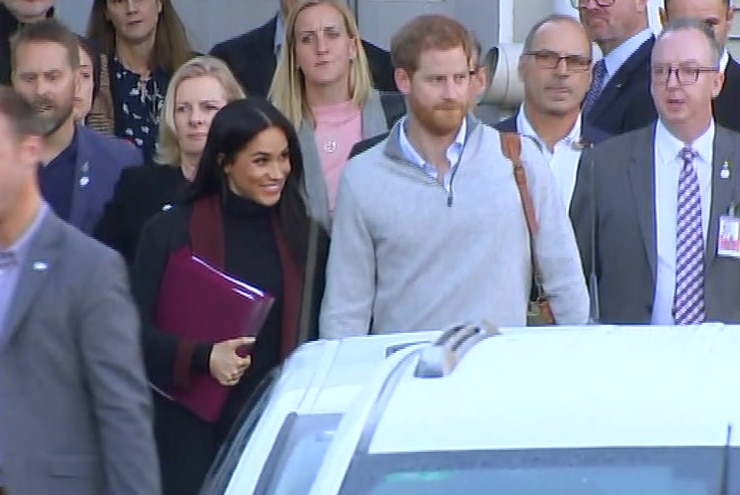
561 36
688 43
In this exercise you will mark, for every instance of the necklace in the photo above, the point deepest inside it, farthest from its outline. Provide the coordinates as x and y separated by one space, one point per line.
330 146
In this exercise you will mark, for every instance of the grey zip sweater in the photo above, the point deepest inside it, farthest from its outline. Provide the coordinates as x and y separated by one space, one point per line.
407 255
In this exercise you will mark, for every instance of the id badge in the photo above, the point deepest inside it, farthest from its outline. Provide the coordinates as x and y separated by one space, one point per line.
728 241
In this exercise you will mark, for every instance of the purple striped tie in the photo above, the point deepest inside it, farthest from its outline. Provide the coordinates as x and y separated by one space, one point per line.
688 300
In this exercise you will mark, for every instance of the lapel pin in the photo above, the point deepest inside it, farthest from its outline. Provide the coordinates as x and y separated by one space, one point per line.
40 266
85 179
166 207
725 171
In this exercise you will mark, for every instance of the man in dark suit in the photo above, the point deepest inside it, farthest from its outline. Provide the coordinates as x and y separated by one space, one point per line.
555 67
718 15
75 407
13 14
619 99
252 57
649 204
80 167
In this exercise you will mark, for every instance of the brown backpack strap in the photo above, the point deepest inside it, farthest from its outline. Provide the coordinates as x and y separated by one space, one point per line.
511 146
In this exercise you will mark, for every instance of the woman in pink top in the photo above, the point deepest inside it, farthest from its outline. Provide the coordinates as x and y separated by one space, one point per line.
323 85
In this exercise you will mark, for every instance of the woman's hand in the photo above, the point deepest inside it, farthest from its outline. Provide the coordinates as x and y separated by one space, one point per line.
226 366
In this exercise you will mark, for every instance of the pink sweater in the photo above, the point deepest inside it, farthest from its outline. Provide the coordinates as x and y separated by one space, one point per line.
338 128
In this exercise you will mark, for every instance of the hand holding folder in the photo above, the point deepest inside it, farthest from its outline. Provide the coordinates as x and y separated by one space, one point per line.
199 302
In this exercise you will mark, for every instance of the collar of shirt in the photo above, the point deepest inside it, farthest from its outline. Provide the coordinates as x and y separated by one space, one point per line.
572 139
724 60
453 153
18 251
670 146
279 34
616 59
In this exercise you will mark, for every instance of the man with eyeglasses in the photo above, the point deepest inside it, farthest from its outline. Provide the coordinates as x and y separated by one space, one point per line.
649 204
718 15
619 98
555 67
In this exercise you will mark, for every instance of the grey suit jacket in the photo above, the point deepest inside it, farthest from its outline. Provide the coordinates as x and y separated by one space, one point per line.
75 409
373 123
613 213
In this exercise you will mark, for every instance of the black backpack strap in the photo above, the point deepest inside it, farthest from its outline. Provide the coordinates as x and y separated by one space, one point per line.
394 106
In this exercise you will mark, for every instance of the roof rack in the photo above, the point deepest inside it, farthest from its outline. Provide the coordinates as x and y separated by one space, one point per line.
440 358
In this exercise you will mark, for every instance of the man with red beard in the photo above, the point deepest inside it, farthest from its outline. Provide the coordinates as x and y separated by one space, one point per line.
429 229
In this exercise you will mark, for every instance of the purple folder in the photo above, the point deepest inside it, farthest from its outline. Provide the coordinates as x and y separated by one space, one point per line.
199 302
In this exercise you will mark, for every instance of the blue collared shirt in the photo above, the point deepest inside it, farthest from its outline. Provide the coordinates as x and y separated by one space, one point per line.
453 154
617 57
12 259
279 34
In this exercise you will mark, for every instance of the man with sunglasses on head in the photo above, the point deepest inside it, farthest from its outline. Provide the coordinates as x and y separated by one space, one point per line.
555 67
619 98
649 205
718 15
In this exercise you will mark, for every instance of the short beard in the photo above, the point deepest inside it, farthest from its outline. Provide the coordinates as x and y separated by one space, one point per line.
56 122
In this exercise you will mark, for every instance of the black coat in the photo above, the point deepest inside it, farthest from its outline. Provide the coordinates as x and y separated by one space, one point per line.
251 57
726 103
8 26
625 103
141 193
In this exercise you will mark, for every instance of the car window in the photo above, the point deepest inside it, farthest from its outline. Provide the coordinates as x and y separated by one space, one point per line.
297 454
228 457
596 471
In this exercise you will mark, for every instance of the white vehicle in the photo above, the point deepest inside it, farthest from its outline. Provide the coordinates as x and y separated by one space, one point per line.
279 445
579 411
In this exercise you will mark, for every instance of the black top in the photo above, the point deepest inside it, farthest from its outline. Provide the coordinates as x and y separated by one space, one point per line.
251 255
8 26
57 180
140 193
725 105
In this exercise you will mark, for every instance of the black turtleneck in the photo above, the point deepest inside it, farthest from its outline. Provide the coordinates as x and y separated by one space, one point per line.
251 255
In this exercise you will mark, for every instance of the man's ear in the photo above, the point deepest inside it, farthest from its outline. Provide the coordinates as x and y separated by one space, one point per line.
663 16
403 81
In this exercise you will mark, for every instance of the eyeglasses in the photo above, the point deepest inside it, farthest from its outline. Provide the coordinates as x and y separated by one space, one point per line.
547 59
685 74
579 4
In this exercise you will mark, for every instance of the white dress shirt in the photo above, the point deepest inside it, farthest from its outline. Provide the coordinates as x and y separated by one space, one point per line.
723 61
617 57
563 158
668 166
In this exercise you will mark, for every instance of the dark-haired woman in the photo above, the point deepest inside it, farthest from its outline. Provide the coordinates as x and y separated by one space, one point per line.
143 42
246 215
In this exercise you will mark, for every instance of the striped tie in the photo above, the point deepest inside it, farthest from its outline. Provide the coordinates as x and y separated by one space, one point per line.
688 300
597 84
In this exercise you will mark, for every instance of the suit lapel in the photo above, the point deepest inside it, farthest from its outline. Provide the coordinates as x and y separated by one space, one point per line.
82 185
617 81
642 180
722 188
41 258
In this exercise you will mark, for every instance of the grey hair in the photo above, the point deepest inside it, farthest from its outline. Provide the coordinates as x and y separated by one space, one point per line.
554 18
688 23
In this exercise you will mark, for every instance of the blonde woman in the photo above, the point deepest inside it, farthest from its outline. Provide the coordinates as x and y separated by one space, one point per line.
197 90
323 85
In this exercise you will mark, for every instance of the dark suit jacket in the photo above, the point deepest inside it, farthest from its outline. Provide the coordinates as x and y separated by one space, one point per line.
726 104
100 160
625 103
77 412
8 26
251 57
589 133
615 205
140 193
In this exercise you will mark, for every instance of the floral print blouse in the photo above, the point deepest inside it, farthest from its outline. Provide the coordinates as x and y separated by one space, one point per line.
138 105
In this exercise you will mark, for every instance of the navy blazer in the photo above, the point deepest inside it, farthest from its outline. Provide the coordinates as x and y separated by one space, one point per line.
625 103
251 57
589 133
725 105
100 161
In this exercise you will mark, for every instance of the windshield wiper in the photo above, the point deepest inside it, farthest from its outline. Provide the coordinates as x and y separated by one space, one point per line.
725 469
